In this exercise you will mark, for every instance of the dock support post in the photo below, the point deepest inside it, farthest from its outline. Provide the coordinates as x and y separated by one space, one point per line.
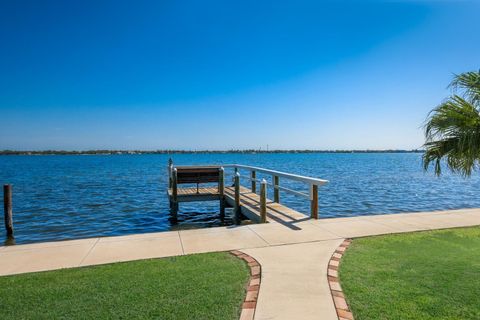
276 190
263 201
7 205
221 191
170 168
174 194
237 198
253 175
314 201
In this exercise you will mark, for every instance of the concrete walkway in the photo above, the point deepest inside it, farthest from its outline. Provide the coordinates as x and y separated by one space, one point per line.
294 259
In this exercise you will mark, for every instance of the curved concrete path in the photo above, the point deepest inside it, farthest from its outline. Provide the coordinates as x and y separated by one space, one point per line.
294 260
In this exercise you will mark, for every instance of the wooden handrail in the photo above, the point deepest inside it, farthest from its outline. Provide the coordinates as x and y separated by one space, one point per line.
313 183
297 193
296 177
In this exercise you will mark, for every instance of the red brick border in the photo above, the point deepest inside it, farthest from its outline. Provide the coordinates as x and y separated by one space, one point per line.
250 303
341 305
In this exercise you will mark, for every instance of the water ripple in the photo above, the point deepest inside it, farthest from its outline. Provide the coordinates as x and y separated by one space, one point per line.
65 197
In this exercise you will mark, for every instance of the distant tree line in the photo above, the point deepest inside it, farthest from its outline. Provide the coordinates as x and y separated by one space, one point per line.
247 151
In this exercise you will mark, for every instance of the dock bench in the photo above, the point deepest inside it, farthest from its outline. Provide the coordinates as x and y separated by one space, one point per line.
195 175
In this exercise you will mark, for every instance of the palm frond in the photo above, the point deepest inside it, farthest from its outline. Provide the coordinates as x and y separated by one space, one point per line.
452 132
469 84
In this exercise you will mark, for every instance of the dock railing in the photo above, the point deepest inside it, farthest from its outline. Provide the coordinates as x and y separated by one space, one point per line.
277 176
313 184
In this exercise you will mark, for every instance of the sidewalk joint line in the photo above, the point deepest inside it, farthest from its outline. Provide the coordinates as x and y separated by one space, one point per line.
293 243
268 244
19 247
89 251
181 242
325 229
410 224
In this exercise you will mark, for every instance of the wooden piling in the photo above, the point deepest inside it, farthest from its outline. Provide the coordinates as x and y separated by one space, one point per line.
263 201
174 193
253 175
276 190
7 206
170 168
237 198
221 191
314 201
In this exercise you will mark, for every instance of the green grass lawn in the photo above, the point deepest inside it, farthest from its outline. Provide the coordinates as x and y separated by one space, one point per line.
423 275
203 286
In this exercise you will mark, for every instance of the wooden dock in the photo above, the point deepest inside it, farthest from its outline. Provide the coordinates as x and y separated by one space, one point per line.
192 194
247 202
250 207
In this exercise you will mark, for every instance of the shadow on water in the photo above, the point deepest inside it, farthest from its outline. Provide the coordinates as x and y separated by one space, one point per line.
186 220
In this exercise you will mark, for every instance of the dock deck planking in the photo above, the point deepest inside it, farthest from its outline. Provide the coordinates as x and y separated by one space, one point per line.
191 194
249 203
250 207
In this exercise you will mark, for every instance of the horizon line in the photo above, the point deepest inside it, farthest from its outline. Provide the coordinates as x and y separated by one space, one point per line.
186 151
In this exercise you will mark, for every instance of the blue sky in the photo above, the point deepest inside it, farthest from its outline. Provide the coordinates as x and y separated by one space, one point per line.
224 74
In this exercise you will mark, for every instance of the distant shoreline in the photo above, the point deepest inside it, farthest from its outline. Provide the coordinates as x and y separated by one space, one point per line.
132 152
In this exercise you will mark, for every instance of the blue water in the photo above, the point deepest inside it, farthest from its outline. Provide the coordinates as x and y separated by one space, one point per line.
65 197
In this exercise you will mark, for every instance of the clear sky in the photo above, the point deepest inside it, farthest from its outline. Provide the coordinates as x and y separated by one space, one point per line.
228 74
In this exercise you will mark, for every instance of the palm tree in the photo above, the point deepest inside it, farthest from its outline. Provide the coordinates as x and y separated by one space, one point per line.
452 130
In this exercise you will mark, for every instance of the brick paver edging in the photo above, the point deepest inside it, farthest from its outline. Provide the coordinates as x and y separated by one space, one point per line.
343 311
250 303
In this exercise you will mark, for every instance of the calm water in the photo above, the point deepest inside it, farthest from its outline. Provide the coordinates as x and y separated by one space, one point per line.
64 197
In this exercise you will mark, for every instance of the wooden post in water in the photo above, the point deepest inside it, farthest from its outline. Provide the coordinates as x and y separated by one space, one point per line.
174 193
263 201
237 198
221 191
276 190
253 175
170 168
314 201
7 206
